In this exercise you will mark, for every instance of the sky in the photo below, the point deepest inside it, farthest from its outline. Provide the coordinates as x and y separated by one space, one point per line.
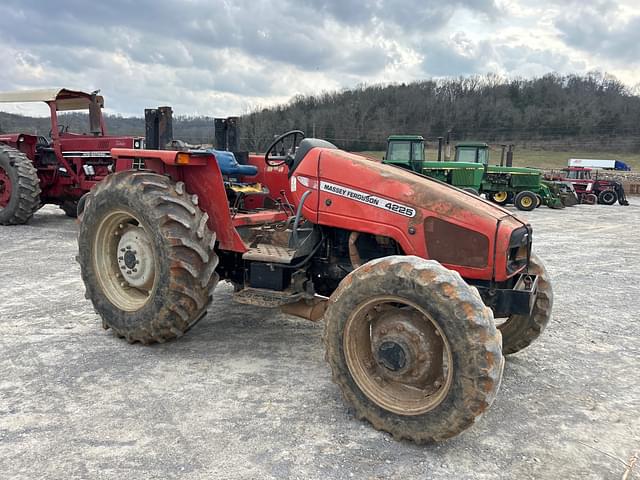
223 57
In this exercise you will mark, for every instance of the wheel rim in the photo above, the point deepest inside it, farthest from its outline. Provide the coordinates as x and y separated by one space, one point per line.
124 261
398 355
526 202
500 196
5 188
608 197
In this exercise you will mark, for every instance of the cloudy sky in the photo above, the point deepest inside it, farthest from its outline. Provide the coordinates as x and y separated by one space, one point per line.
225 57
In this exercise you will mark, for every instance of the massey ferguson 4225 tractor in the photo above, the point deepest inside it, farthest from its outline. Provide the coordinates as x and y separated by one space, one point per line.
409 274
61 167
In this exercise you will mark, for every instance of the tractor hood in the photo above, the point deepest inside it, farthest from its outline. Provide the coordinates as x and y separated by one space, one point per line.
418 191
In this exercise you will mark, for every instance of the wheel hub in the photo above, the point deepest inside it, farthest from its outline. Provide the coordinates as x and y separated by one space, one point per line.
392 356
398 355
406 348
5 188
135 258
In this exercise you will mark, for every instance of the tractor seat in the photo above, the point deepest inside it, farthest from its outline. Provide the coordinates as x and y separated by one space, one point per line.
305 146
230 167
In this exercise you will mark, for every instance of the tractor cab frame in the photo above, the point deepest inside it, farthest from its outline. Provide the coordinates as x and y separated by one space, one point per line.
67 164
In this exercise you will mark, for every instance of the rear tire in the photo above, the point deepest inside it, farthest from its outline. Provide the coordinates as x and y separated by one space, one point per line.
19 187
471 190
146 256
525 201
431 410
519 331
607 197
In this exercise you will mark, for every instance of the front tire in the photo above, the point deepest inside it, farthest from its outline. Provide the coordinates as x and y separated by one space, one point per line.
146 256
413 348
519 331
19 187
500 198
525 201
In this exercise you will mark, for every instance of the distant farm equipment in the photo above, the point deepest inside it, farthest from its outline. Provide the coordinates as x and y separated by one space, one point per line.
470 171
58 168
591 190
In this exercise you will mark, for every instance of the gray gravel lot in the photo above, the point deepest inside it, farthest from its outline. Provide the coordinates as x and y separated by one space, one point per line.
247 394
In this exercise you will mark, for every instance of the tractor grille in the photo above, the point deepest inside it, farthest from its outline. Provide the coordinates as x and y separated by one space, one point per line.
463 177
455 245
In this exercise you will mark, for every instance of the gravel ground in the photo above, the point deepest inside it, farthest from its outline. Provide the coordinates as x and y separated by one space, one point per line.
247 394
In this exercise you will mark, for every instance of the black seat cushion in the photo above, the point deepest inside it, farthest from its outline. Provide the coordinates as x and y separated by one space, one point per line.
305 146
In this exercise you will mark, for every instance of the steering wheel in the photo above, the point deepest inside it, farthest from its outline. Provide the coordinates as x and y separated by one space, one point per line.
284 155
61 129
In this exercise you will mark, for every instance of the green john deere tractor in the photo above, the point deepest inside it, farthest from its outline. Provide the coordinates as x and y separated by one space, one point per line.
525 187
407 151
470 170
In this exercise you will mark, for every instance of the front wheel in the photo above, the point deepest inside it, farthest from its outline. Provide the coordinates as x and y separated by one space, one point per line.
525 201
413 348
501 198
146 256
518 331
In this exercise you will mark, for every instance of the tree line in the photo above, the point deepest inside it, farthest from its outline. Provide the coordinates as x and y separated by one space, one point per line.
591 112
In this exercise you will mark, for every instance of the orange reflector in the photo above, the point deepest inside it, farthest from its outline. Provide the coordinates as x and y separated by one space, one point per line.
182 158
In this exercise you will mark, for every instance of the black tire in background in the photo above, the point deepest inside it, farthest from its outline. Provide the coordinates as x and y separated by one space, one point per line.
525 201
463 322
170 239
21 178
70 208
500 198
519 331
607 197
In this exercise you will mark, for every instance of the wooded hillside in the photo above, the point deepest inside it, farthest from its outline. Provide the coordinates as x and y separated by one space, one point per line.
592 112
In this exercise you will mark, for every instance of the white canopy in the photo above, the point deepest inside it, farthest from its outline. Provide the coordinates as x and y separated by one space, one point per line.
65 99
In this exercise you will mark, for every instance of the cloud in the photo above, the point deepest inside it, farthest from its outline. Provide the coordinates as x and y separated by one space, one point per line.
221 57
602 29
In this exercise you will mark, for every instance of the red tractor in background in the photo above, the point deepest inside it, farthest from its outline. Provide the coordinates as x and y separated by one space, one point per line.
591 190
423 287
60 168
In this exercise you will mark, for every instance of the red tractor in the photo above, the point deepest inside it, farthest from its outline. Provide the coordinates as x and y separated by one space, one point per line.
59 168
410 275
591 190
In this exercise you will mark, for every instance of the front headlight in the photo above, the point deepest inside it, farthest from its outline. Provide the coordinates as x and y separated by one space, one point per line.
519 248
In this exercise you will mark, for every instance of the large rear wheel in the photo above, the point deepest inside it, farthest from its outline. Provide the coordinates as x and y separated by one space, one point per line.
413 348
147 256
519 331
19 187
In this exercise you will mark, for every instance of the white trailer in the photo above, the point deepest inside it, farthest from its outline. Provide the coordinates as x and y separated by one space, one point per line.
596 163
